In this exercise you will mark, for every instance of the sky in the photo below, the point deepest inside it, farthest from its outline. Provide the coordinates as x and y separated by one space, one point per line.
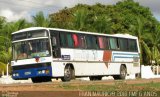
17 9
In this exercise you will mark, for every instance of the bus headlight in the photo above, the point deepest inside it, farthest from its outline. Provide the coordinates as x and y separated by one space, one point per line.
43 71
39 72
15 74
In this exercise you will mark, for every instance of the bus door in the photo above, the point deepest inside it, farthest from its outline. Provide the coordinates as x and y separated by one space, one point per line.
55 44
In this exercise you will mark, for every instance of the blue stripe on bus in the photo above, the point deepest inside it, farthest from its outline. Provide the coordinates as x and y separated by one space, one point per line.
119 55
33 73
125 54
122 57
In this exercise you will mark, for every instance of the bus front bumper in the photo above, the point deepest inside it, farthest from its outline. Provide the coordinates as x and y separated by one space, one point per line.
32 72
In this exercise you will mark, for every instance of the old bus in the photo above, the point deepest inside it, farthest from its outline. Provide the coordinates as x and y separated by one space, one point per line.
45 53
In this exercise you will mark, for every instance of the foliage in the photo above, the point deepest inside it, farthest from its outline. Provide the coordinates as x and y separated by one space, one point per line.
126 16
40 21
5 53
80 18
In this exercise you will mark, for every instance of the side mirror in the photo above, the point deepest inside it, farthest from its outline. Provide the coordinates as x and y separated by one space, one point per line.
54 42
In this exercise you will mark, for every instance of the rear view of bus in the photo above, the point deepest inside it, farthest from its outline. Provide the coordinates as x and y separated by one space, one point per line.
31 55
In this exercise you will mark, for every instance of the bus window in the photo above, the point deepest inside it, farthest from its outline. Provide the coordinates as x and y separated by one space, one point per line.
75 39
106 42
39 47
89 42
69 40
132 45
123 43
63 40
113 43
101 42
20 50
94 42
81 41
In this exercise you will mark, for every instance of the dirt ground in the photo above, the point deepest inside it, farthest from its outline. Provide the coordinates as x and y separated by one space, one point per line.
55 89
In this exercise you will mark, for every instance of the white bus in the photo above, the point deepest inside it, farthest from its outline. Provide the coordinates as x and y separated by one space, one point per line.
45 53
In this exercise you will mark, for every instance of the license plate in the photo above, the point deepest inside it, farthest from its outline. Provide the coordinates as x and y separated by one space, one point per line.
27 73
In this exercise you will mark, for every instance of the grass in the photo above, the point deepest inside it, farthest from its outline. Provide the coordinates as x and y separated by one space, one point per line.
120 86
118 89
151 84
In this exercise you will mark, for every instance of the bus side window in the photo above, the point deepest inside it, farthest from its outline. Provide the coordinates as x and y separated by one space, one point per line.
113 43
95 44
75 39
106 41
70 40
132 45
89 42
81 40
103 42
63 42
123 43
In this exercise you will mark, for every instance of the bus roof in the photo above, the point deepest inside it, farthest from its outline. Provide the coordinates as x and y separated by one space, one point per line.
85 32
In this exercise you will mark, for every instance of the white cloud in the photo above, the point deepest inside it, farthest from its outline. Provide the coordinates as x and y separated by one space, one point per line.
16 9
11 15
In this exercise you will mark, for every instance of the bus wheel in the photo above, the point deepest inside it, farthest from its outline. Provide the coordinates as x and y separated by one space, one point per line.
123 73
67 74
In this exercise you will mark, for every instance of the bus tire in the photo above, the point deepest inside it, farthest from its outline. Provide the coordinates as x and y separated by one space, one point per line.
123 73
67 74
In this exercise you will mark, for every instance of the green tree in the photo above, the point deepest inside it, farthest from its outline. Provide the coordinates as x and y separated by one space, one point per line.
62 19
154 42
5 40
102 24
144 48
80 18
2 21
39 20
10 27
5 53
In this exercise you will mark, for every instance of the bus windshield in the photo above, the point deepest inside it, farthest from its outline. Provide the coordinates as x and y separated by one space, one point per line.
31 49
